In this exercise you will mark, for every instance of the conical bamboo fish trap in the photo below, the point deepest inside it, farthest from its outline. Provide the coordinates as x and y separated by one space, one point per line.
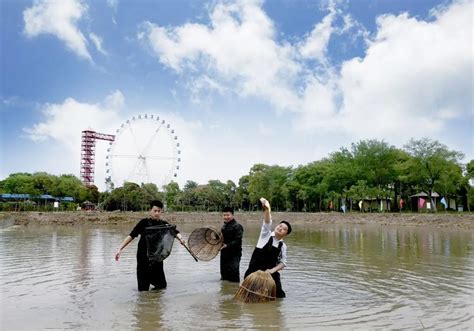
259 286
205 242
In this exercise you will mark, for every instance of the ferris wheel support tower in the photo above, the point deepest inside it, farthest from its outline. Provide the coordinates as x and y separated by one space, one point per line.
88 154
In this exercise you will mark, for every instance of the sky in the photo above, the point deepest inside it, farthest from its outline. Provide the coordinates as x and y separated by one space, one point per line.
281 82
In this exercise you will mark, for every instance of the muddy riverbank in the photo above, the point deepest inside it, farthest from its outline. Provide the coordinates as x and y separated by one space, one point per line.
463 220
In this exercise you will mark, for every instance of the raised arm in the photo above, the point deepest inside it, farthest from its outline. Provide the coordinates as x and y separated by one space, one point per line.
267 216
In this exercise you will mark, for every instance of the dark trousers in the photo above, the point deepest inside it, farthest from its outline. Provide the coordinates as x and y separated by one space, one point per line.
230 267
150 275
279 290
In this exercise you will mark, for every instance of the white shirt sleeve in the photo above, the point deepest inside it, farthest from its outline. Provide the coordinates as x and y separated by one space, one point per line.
266 230
265 234
282 257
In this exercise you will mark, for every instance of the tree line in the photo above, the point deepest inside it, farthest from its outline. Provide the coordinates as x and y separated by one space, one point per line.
369 168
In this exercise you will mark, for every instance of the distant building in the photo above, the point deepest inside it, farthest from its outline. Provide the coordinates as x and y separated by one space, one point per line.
421 202
375 204
87 205
42 199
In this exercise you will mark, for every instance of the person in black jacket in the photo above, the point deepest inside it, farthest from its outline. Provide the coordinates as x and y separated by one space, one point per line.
148 273
231 250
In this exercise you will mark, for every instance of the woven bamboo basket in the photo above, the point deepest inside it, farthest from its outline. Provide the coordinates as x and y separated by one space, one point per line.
205 242
259 286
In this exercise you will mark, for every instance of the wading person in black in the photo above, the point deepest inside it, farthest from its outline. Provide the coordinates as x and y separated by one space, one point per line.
270 253
231 250
148 273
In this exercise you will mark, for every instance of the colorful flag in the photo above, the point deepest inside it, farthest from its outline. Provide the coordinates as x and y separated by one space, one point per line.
401 203
443 201
421 203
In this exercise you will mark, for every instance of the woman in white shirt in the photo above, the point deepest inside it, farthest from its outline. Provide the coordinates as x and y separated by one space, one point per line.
270 253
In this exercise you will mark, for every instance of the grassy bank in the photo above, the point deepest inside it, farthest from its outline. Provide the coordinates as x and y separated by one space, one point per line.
464 220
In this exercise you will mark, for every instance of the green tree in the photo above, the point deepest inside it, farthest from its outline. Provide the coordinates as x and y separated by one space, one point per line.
43 183
172 194
67 186
189 194
20 183
89 193
230 191
310 188
469 178
128 197
429 161
258 183
341 175
269 182
150 192
215 191
375 162
242 193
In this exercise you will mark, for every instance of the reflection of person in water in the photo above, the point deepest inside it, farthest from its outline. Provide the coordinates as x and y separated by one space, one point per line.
148 312
270 253
265 317
230 315
231 250
148 273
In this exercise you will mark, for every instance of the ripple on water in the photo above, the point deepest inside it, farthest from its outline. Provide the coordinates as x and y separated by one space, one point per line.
337 278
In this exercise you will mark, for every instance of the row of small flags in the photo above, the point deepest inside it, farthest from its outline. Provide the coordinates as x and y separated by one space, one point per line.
443 201
421 204
422 201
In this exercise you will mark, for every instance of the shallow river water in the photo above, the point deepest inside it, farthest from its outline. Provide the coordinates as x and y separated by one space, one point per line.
338 277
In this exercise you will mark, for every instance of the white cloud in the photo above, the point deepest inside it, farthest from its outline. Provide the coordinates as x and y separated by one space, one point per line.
201 86
97 43
209 151
61 129
237 48
414 75
64 122
113 4
314 46
114 101
58 18
318 107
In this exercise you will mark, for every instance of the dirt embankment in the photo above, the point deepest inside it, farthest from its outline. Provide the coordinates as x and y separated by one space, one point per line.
463 220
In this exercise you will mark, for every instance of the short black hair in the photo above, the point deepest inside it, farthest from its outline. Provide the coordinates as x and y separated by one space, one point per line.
157 203
228 210
288 225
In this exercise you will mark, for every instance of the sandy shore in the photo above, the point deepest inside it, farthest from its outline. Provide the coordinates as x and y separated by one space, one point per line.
463 220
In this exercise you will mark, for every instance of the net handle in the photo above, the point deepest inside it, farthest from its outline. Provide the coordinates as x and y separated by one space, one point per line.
190 252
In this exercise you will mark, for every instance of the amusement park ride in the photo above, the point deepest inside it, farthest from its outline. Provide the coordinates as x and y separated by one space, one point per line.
145 149
88 154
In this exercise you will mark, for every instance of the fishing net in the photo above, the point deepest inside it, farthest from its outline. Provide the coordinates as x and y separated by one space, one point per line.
259 286
159 241
205 242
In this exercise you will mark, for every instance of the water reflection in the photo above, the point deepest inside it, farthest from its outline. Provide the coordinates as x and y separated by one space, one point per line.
339 276
148 311
385 276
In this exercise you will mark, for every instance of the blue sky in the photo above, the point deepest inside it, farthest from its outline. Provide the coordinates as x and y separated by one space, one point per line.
241 82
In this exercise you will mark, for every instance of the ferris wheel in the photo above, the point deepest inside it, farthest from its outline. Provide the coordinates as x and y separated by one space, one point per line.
145 150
